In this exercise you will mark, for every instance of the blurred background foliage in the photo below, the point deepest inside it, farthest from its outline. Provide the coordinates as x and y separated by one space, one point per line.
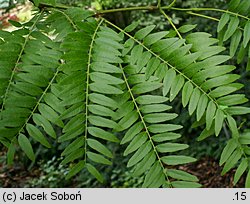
48 171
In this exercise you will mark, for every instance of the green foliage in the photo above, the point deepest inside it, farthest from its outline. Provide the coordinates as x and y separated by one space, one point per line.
88 83
236 29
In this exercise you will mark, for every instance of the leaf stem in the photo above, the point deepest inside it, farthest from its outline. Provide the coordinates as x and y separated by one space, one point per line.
87 86
127 9
66 16
18 60
207 17
144 123
39 100
171 5
149 7
208 9
202 15
162 60
159 4
171 23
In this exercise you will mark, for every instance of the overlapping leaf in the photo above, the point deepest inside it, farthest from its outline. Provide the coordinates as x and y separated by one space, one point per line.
194 67
143 115
28 74
90 58
236 29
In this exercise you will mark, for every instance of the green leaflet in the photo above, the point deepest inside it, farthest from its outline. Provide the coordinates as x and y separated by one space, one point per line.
138 140
246 34
232 160
11 154
171 147
100 110
75 169
221 80
124 109
100 87
102 122
194 99
176 87
158 181
50 114
234 4
99 147
233 126
224 90
140 154
160 128
241 54
95 172
45 124
152 66
144 32
186 28
155 37
228 150
159 117
134 130
185 184
166 136
136 54
37 135
100 133
71 134
54 102
132 26
150 99
234 99
186 93
128 120
247 183
235 41
244 7
219 119
168 80
202 105
102 100
105 78
152 174
244 138
154 108
145 164
240 170
25 145
104 67
73 156
223 21
76 144
143 62
74 123
109 33
98 158
238 110
128 45
146 87
163 44
232 26
181 175
177 160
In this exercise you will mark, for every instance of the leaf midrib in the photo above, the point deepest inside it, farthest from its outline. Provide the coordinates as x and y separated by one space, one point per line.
18 60
87 86
165 62
144 123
